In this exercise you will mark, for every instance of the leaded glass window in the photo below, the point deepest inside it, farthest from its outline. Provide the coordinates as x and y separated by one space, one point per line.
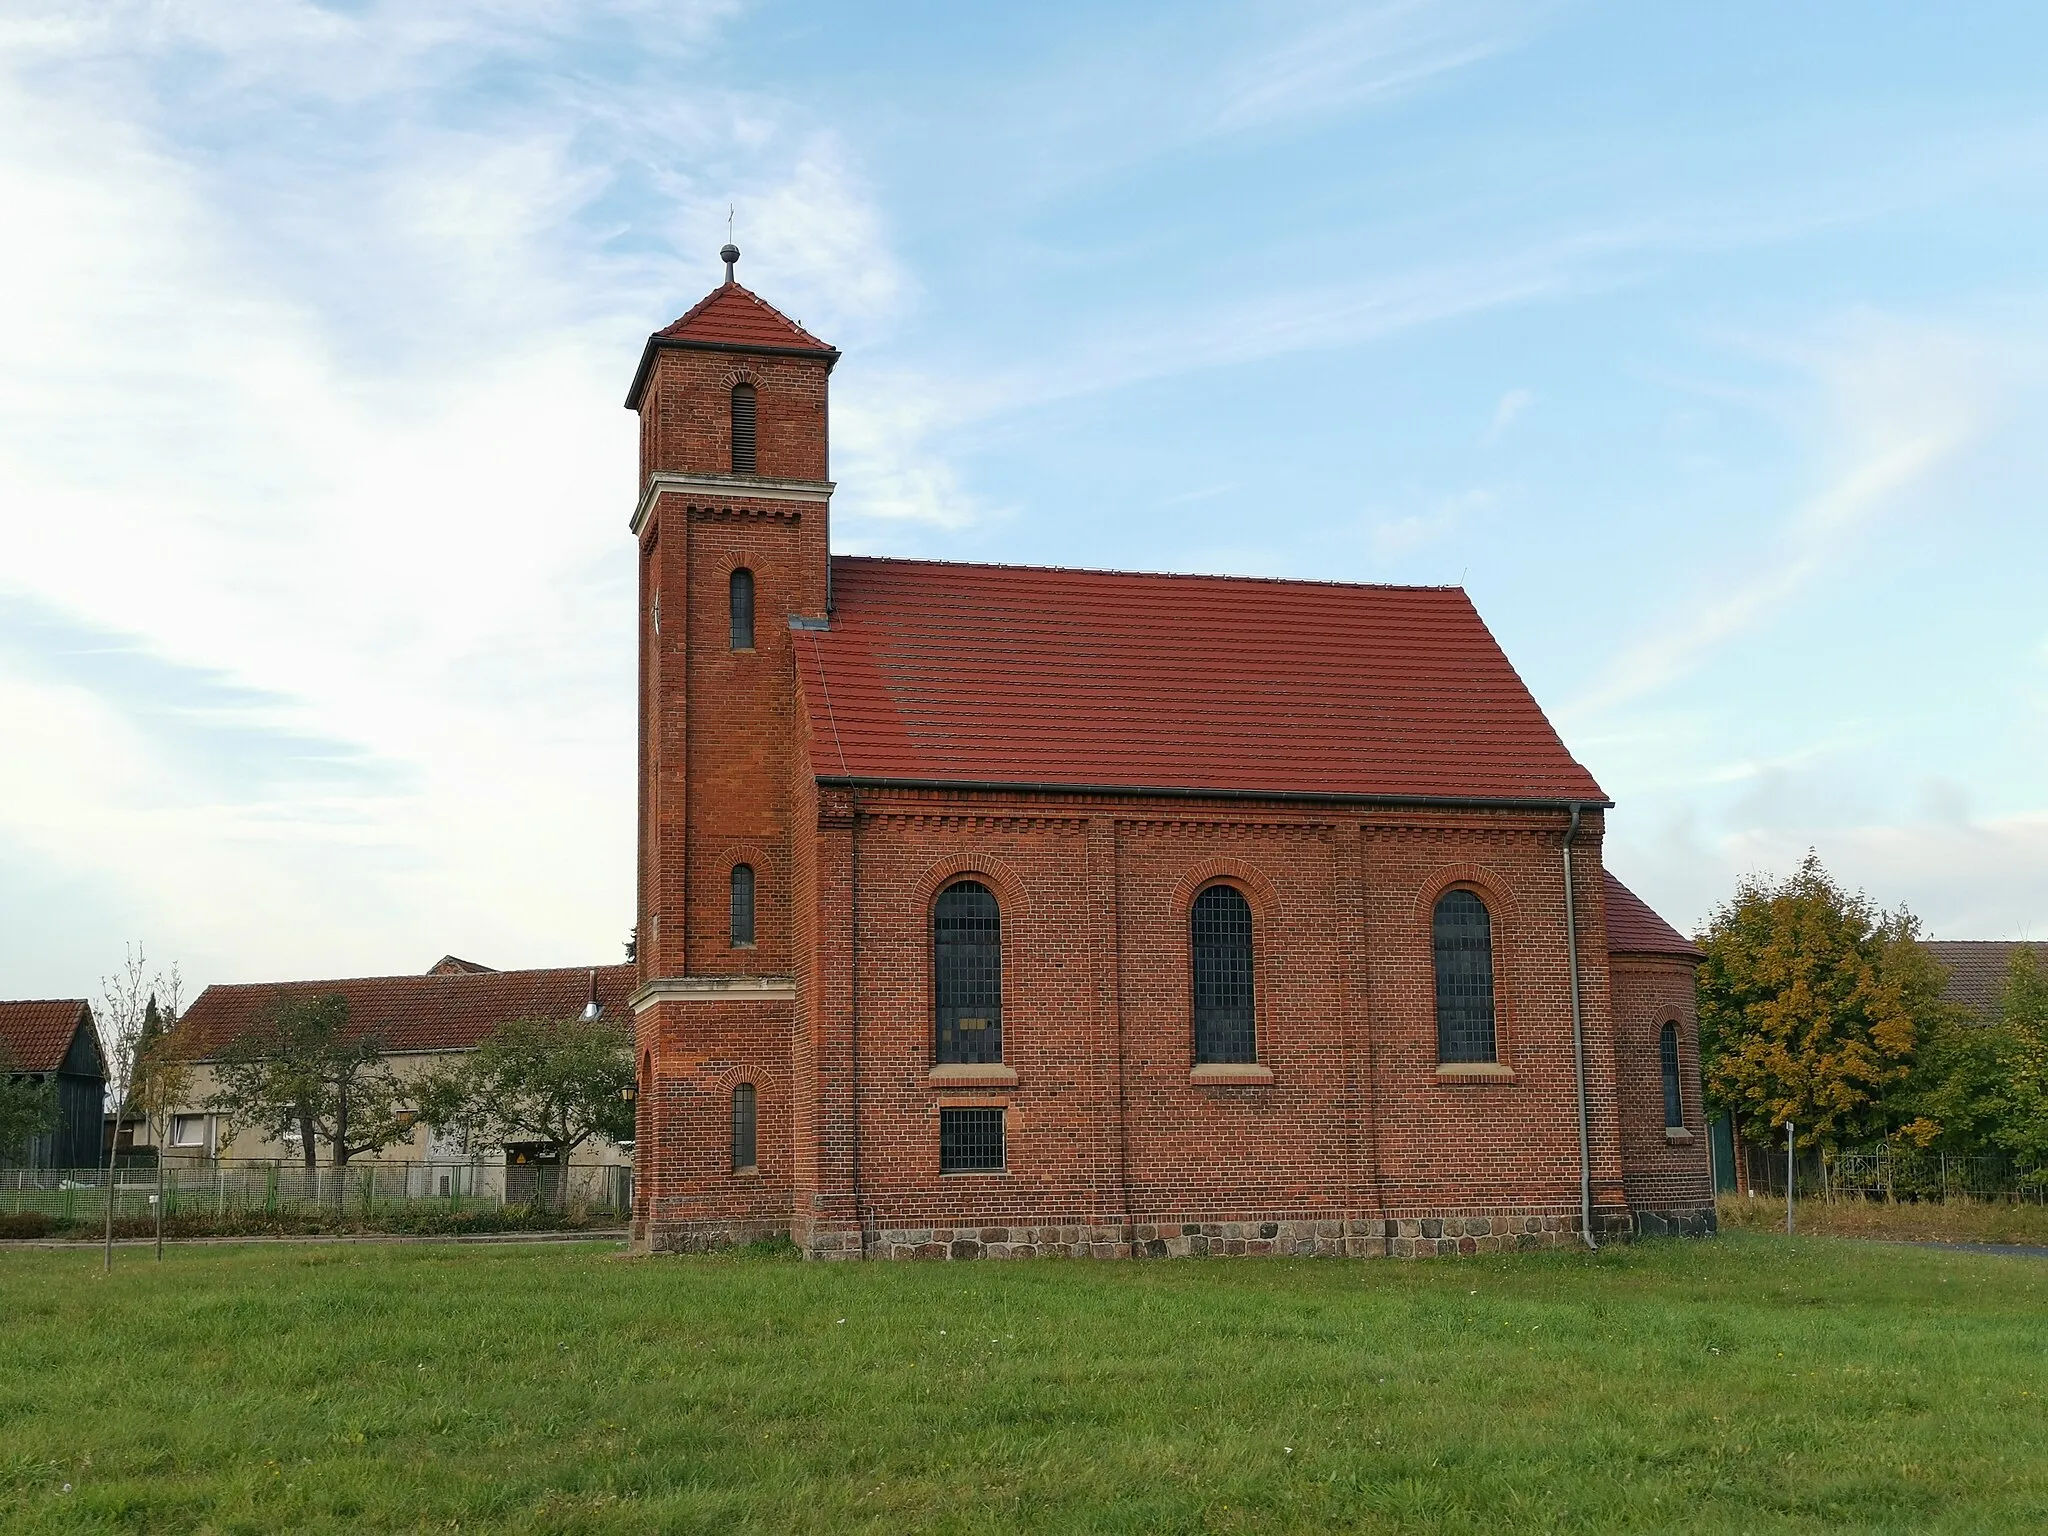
1221 929
1463 933
743 1160
741 609
967 974
971 1141
1667 1053
742 904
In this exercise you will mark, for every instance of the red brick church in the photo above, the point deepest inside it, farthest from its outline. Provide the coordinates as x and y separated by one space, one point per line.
998 911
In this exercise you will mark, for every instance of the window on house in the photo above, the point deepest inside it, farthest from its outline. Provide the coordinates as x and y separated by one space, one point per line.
1462 931
1667 1054
742 904
743 1129
967 974
743 429
740 607
971 1141
1221 928
188 1130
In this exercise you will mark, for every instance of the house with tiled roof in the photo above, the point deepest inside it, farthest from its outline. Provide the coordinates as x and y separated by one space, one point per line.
421 1022
994 911
1978 972
54 1041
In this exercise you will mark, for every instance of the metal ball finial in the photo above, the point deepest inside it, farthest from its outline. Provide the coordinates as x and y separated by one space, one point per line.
730 255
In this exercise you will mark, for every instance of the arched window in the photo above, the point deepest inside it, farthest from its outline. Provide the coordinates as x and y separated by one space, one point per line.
743 904
1463 934
1221 929
743 1160
740 608
1667 1057
743 429
967 974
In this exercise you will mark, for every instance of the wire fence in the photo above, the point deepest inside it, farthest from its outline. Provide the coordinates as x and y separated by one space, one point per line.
369 1191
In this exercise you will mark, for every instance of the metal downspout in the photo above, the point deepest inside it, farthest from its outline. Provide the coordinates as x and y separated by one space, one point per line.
853 914
1571 935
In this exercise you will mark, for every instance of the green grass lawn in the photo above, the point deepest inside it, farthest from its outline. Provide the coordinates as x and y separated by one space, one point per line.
1744 1384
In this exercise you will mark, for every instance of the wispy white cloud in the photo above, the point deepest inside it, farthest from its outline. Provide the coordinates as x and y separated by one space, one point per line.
1369 53
1896 402
1510 409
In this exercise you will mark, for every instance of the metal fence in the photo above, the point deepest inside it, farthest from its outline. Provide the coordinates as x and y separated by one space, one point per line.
367 1191
1887 1172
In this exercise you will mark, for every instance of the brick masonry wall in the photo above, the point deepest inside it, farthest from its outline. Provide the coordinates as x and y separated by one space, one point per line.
1666 1180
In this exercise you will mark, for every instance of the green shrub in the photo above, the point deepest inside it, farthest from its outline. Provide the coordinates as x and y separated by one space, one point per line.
26 1224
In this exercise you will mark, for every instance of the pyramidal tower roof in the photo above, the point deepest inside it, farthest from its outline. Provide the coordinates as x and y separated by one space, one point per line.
730 318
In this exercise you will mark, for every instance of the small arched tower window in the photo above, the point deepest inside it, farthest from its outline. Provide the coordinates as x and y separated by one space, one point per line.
1220 926
742 904
740 608
1462 932
743 1157
743 429
967 974
1667 1058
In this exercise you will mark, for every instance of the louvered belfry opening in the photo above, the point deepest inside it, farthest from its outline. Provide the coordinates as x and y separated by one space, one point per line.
743 429
1667 1053
967 974
1462 933
1221 929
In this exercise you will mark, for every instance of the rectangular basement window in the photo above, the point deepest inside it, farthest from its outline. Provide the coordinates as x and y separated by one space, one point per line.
971 1141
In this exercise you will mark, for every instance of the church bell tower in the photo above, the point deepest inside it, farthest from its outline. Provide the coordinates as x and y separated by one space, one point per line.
732 528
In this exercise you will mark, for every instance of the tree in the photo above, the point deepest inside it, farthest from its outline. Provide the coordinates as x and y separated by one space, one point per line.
1812 1002
162 1080
126 1000
2021 1126
553 1081
300 1071
28 1108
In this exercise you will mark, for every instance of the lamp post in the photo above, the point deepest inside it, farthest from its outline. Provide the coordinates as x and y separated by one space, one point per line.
1789 1170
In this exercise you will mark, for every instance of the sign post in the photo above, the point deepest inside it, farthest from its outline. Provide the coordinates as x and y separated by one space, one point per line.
1790 1169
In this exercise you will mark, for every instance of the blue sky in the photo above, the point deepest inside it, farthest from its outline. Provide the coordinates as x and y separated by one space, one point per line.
1706 346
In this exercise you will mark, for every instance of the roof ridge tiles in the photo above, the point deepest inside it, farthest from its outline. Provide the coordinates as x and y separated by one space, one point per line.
1098 570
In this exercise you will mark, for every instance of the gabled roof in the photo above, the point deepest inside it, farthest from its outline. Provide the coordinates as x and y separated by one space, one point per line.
1978 970
993 674
1633 928
730 318
441 1011
455 965
36 1036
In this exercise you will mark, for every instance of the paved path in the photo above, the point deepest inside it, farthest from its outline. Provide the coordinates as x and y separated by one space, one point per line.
69 1245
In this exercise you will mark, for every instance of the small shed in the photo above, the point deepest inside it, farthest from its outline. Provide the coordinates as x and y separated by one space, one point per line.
54 1040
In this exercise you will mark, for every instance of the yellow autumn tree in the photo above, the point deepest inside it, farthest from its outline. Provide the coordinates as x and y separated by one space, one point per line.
1811 1004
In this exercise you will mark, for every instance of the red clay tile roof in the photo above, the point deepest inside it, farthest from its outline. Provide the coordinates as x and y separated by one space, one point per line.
1978 970
36 1036
1014 675
729 319
436 1012
1634 929
733 316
